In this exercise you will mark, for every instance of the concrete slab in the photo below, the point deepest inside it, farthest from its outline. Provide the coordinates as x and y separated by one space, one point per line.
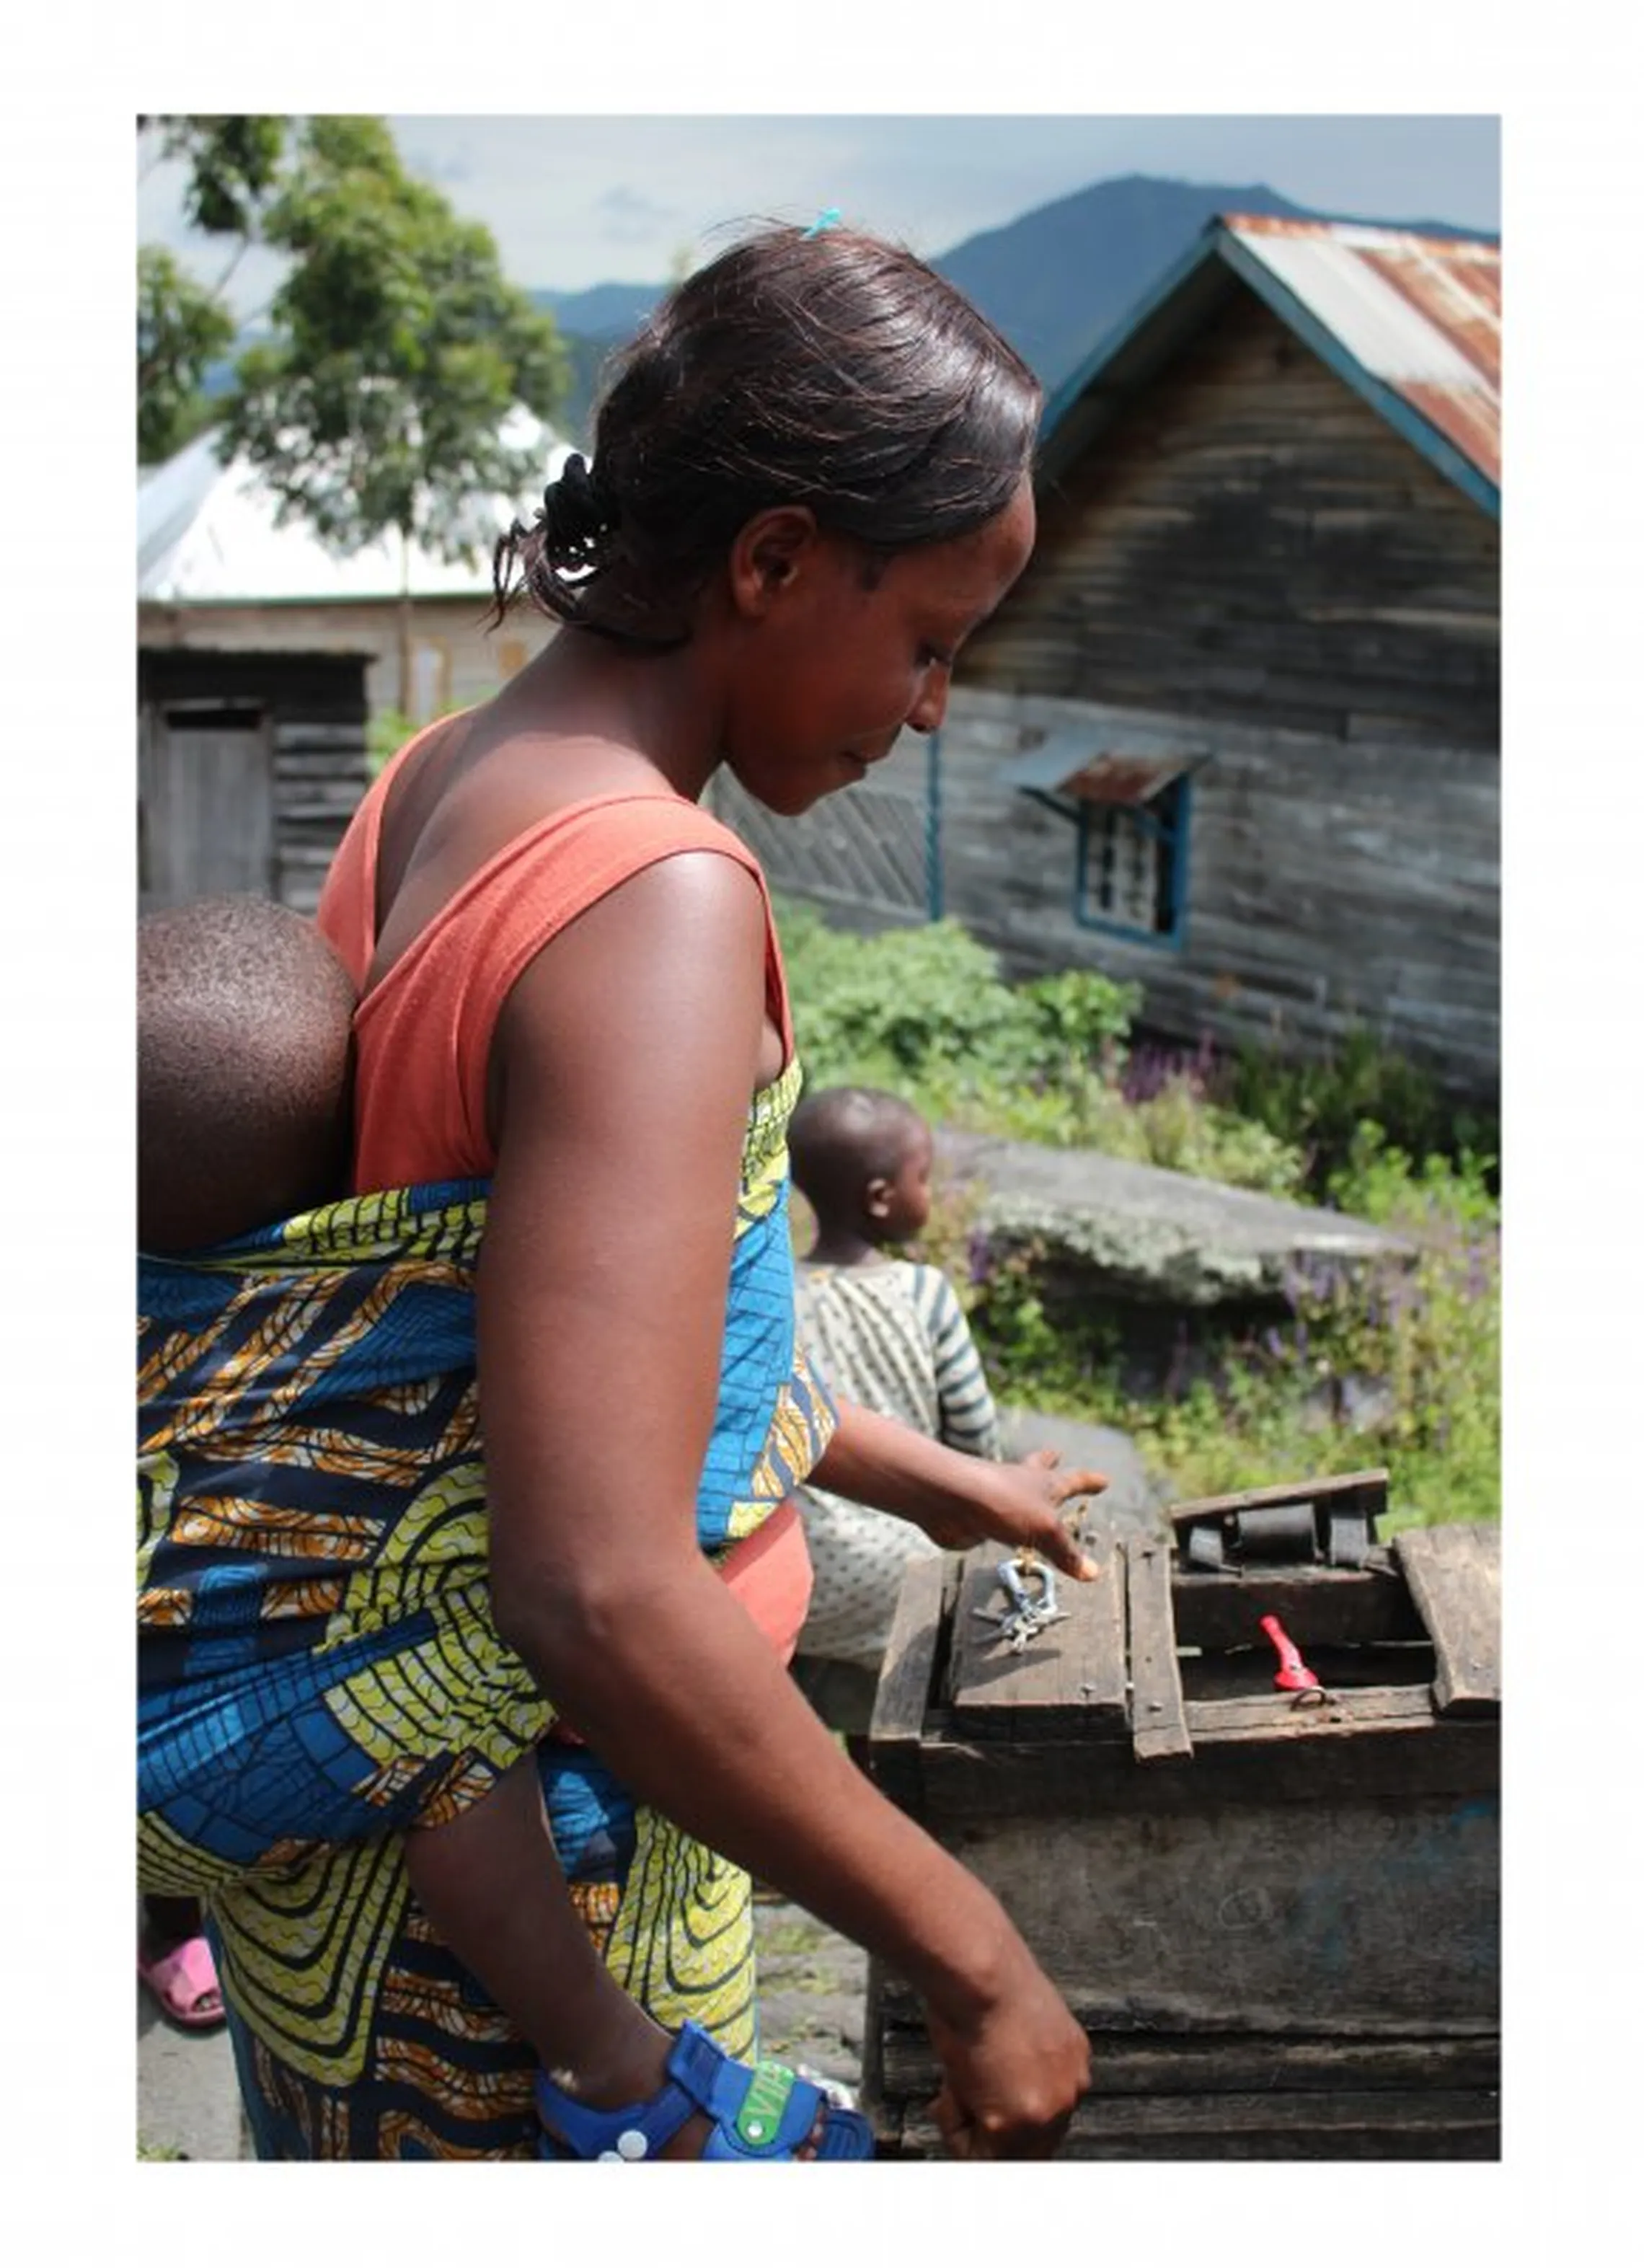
1152 1234
188 2099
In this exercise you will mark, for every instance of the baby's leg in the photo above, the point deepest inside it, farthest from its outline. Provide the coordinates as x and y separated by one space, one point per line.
490 1883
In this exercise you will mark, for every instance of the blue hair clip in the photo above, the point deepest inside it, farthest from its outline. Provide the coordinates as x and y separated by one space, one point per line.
827 218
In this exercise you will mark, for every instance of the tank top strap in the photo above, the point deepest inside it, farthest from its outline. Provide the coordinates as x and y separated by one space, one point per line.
424 1033
347 900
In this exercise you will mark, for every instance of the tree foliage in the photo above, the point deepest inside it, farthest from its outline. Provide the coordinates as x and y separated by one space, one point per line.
395 346
182 328
183 324
398 348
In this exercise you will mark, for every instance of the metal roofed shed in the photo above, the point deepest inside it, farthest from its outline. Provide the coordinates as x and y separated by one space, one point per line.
262 655
1411 321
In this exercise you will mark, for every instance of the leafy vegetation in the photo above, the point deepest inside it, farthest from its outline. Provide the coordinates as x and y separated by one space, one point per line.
183 323
1397 1366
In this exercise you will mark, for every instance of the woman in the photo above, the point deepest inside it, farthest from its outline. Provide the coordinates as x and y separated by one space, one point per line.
811 484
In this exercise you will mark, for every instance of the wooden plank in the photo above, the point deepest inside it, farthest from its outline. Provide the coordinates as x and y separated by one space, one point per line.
1070 1678
1159 1720
1281 1717
1455 1576
1389 1760
1318 1606
1327 1917
1448 2124
1189 2064
898 1725
1366 1490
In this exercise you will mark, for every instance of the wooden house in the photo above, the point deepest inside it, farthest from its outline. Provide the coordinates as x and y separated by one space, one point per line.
261 658
1234 735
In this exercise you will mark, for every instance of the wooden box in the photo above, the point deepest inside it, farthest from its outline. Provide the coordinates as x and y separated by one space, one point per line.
1277 1916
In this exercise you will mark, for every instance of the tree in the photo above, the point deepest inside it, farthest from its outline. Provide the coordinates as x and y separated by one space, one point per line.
184 325
182 328
398 349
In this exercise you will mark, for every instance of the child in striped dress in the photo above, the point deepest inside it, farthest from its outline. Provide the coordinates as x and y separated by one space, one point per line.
889 1334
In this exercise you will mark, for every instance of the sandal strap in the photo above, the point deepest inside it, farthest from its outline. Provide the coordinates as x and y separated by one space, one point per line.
635 2132
759 2110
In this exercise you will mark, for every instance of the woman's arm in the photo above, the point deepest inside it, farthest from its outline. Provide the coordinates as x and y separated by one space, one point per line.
627 1054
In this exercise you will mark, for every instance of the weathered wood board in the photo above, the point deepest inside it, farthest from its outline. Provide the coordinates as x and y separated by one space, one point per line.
1272 1918
1158 1711
1070 1677
1455 1576
1450 2125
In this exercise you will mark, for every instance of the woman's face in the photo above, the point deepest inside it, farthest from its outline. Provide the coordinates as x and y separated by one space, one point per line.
828 665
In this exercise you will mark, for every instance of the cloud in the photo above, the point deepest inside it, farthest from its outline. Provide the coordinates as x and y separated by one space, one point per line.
633 217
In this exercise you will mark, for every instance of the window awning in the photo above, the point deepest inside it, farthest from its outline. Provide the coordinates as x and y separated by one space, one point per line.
1070 767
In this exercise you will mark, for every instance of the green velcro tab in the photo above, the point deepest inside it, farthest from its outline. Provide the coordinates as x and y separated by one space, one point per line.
764 2104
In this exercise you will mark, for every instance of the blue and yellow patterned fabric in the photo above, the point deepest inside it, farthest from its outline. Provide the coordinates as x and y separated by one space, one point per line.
317 1669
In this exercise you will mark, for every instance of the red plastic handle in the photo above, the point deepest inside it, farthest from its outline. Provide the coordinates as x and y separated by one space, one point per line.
1293 1675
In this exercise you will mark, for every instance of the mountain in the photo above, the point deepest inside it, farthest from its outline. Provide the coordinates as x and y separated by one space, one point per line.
1057 282
604 311
1060 279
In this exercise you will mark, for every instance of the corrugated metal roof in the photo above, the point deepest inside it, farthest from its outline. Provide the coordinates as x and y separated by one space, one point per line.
1093 765
1421 314
211 534
1411 321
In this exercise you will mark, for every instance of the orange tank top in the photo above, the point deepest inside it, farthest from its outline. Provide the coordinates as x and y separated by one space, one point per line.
423 1033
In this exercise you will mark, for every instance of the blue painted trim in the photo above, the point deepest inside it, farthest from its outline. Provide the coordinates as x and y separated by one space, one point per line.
1415 428
1178 865
1171 941
933 827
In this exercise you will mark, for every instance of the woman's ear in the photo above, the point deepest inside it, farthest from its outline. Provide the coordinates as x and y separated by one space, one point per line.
768 554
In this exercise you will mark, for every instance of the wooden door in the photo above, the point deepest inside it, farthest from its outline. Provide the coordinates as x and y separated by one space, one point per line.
205 810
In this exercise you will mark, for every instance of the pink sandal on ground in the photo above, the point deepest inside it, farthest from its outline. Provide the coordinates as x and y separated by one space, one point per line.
184 1982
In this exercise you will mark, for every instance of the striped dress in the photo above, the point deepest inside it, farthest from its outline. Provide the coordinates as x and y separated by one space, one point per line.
890 1335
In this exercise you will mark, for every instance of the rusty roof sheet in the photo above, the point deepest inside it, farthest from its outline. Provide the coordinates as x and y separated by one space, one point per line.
1421 313
1101 763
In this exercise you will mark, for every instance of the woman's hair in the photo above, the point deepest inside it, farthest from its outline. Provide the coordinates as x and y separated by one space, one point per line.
831 370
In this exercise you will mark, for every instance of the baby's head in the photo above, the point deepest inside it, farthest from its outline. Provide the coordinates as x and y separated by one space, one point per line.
244 1104
862 1159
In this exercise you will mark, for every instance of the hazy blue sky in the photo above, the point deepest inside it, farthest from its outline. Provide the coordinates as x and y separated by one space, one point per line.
580 200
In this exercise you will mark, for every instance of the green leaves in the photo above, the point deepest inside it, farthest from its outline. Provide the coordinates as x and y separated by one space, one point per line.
181 329
233 164
399 349
396 347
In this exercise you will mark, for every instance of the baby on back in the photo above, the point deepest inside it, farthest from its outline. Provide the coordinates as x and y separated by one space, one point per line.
244 1090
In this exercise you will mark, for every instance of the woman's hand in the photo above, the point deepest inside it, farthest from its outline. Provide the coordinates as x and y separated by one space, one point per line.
957 1500
1011 2076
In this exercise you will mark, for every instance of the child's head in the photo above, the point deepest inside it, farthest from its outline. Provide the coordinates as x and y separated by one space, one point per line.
243 1107
827 369
862 1160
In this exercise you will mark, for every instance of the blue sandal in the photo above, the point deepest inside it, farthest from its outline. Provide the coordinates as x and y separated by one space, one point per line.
759 2110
